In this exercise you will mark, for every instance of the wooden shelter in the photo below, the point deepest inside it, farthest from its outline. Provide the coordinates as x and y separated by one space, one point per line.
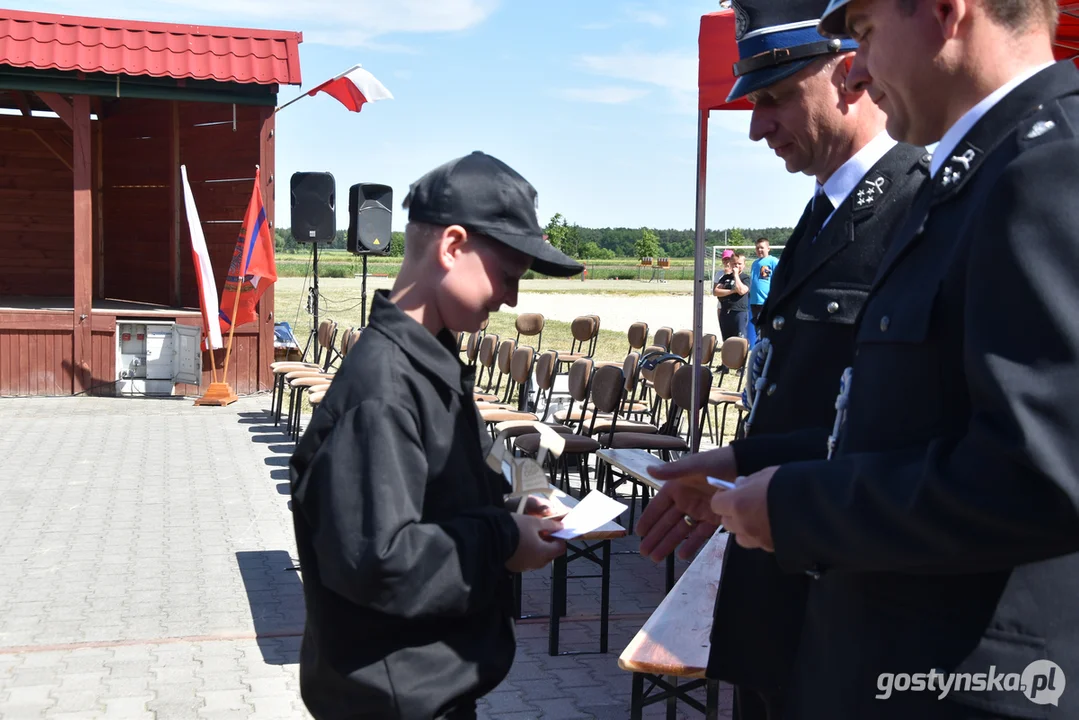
93 234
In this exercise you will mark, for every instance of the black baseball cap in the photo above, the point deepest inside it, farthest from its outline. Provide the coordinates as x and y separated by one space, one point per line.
486 196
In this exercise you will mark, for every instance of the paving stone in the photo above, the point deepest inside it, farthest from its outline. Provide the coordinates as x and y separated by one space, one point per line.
118 534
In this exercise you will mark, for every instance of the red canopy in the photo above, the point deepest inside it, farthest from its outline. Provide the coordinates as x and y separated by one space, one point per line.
718 53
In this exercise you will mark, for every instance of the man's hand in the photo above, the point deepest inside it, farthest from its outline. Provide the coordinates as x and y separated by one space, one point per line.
536 548
744 510
662 526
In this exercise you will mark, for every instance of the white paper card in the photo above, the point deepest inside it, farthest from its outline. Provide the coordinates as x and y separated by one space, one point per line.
594 511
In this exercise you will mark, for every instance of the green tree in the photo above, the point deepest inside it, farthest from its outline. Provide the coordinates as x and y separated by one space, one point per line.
397 244
571 243
736 237
647 245
556 231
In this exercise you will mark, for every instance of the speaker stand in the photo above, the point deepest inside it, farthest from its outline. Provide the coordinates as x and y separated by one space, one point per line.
314 300
363 295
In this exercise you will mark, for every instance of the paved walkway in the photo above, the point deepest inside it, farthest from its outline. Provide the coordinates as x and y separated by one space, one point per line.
147 563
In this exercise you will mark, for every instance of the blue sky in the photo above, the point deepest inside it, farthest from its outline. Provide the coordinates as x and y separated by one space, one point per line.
592 101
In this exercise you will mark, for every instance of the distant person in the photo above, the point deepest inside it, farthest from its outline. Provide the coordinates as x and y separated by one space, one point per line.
731 288
406 543
761 277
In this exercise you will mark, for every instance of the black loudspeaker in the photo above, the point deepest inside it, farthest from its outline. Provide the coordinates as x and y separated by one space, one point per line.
314 207
369 217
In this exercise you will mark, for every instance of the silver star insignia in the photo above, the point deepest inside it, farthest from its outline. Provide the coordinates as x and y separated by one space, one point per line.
950 176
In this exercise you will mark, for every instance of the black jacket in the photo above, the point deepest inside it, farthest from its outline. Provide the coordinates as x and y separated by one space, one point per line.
402 533
809 319
947 526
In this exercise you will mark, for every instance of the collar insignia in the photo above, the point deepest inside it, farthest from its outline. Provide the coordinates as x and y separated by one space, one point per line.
869 191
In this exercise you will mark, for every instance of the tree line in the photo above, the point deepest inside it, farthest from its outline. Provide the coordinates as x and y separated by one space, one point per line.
595 243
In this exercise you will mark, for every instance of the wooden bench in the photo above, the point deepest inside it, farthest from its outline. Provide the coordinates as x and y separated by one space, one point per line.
676 639
634 464
585 547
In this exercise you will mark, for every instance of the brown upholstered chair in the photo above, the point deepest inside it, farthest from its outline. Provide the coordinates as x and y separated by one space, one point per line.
530 325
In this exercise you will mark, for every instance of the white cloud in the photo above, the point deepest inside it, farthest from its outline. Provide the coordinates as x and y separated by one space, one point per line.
655 19
605 95
672 70
322 21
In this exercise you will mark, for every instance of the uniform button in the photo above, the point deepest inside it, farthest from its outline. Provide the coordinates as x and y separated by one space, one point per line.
771 389
778 323
833 307
884 323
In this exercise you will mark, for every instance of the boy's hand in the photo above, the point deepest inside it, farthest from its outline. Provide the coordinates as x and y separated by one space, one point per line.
539 506
536 547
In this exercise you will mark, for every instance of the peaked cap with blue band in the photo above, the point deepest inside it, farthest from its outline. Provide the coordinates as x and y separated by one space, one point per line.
776 39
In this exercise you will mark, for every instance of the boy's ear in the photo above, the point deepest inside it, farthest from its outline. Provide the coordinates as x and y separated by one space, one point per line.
449 245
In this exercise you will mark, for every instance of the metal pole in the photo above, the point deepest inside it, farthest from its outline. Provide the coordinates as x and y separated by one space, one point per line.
698 276
314 299
363 295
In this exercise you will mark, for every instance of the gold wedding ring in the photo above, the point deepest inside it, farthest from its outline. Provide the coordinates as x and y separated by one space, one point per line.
688 520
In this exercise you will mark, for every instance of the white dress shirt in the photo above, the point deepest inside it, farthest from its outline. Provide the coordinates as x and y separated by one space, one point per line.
956 132
843 181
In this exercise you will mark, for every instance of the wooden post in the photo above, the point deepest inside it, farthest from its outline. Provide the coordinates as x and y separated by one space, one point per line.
82 359
175 203
266 302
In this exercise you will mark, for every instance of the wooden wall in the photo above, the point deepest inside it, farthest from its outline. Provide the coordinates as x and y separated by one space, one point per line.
142 248
134 201
36 208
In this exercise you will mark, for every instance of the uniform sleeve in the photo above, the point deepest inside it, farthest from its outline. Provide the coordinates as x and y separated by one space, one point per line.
364 491
1005 492
757 452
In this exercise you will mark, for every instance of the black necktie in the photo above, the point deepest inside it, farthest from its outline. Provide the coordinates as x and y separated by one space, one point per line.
822 210
798 252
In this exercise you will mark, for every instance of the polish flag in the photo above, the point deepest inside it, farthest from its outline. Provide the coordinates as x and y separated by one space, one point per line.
353 88
204 272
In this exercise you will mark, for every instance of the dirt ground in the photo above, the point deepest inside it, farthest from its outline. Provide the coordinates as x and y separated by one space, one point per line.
619 303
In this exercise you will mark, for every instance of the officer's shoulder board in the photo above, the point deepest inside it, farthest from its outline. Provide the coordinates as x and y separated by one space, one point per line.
1048 123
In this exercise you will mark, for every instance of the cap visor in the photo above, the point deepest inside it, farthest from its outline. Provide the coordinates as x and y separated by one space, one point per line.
834 21
761 79
546 258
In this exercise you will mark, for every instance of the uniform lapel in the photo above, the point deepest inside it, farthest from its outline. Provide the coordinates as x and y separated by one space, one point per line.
840 230
993 128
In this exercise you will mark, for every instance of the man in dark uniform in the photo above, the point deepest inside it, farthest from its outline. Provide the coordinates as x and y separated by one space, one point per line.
406 546
865 183
945 531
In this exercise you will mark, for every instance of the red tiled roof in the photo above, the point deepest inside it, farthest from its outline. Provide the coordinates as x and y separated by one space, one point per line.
64 42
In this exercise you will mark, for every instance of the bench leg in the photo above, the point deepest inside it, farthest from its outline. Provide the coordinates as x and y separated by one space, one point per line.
636 703
712 694
517 591
604 596
672 701
558 601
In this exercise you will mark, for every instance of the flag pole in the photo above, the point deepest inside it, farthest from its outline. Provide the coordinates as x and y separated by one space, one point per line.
315 89
236 302
232 326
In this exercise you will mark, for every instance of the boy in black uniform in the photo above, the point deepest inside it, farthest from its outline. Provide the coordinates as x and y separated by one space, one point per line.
406 546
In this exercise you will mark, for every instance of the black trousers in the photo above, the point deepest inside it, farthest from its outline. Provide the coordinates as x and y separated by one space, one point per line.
750 704
733 323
